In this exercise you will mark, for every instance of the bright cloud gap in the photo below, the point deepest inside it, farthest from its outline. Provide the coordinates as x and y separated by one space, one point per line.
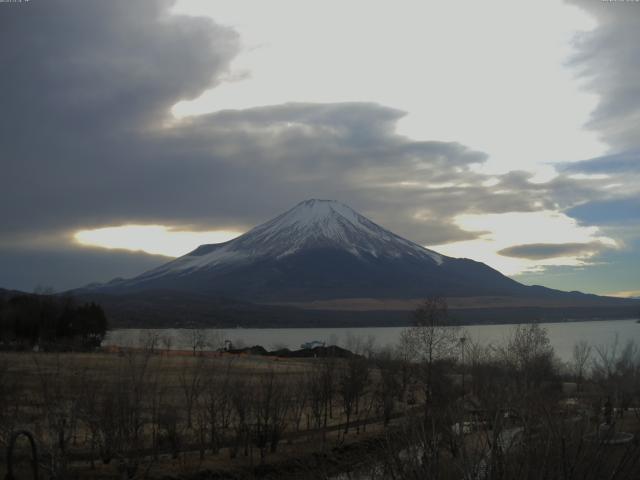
152 239
518 230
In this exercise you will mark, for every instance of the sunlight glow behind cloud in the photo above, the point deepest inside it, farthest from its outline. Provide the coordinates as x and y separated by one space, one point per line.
153 239
626 294
523 228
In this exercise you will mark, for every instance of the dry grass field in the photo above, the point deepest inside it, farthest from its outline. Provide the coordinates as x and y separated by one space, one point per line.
97 414
411 413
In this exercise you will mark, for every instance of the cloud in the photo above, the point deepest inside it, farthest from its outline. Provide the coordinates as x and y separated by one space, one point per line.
539 251
518 242
623 163
474 88
87 140
152 239
89 81
607 58
63 269
617 211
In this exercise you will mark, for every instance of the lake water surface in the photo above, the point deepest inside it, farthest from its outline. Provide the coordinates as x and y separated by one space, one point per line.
562 335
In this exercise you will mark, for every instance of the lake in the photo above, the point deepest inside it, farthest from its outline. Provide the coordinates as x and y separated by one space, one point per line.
562 335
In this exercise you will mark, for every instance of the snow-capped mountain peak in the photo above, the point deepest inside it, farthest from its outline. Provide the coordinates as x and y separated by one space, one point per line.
312 224
326 223
326 220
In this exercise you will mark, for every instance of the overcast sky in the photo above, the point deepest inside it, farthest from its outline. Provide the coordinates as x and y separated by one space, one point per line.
502 131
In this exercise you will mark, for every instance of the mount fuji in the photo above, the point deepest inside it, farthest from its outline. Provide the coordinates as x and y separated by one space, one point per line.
318 250
321 255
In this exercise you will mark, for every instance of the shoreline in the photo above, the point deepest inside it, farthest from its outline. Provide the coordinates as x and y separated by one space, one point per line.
394 325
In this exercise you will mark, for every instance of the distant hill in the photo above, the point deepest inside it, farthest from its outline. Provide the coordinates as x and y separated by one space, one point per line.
158 309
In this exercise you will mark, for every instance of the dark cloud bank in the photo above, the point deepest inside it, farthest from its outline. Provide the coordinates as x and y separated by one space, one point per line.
540 251
86 140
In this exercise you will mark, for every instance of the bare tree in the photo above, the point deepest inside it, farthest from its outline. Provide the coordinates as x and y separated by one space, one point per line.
404 355
352 382
191 383
360 345
214 339
217 405
59 411
316 396
149 340
240 395
432 339
530 352
604 361
580 356
388 383
321 391
299 393
270 407
167 342
195 338
617 371
170 428
125 404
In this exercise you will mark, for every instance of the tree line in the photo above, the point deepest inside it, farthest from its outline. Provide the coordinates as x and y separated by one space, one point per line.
50 322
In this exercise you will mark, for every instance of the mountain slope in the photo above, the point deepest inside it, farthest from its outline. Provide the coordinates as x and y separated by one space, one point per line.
312 225
322 249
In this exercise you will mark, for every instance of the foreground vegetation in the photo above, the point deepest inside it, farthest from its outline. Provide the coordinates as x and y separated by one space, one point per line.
437 406
45 321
